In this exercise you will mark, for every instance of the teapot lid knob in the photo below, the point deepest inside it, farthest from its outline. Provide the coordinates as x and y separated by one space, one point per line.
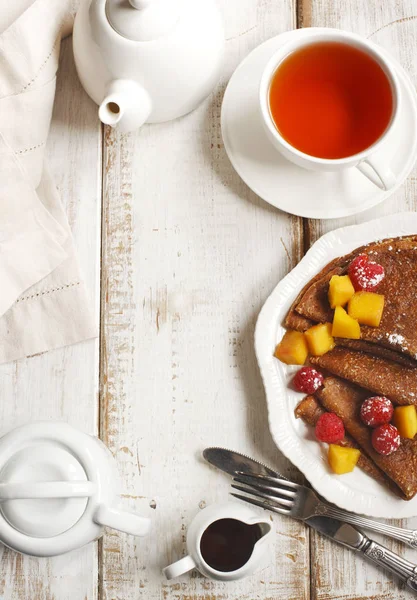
143 20
140 4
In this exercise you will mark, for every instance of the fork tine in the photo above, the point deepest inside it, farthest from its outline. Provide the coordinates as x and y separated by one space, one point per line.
272 480
260 494
280 511
259 485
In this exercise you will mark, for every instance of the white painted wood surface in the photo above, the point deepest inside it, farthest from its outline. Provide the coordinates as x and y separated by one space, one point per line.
337 573
188 256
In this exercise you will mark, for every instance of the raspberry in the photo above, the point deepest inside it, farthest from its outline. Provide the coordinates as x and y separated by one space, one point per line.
386 439
330 428
308 380
377 410
365 274
358 262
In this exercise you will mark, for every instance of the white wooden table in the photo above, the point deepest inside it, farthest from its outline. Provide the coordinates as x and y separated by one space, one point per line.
179 256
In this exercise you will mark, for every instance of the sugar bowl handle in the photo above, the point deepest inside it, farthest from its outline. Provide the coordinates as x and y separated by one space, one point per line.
127 522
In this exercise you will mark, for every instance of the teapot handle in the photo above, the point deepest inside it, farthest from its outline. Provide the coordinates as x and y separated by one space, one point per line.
127 522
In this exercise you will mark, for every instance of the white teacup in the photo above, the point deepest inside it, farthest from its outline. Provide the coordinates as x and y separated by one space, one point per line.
209 516
369 161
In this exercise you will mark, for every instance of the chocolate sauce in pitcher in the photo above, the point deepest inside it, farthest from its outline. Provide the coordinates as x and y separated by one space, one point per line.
227 544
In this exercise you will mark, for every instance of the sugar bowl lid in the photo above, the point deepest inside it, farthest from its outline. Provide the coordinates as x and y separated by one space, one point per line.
57 488
44 490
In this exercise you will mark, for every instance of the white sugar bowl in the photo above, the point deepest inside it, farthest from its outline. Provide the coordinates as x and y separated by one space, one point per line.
58 490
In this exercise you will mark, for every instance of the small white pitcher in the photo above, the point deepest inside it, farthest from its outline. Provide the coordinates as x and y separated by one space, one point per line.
208 516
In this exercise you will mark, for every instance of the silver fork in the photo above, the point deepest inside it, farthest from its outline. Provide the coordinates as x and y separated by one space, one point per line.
300 502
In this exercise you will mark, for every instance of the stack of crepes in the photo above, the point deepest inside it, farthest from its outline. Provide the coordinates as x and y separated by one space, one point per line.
383 362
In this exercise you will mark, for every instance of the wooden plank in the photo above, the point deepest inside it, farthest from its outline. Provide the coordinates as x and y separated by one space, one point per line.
189 256
62 384
338 573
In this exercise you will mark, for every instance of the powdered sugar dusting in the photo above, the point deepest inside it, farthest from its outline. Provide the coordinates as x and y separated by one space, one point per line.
396 339
365 274
376 410
386 439
308 380
366 280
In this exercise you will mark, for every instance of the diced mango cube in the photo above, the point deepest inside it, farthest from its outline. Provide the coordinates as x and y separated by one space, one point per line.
292 349
367 308
319 339
345 326
341 290
405 420
341 459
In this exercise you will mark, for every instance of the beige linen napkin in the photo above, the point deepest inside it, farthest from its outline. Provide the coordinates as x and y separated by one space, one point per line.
43 300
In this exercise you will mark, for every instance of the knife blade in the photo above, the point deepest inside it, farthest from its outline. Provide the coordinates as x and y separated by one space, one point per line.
347 535
233 462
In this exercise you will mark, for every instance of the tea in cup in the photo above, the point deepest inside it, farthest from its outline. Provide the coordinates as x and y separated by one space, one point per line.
329 101
225 542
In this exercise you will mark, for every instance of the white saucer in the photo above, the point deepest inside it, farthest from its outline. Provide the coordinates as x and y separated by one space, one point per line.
288 187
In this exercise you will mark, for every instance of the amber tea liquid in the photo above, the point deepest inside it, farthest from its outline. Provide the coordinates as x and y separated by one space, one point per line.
330 100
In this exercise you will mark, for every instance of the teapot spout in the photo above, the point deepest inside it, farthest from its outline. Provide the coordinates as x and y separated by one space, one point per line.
126 105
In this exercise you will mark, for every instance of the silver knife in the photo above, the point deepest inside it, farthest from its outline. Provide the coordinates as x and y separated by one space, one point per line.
352 538
233 462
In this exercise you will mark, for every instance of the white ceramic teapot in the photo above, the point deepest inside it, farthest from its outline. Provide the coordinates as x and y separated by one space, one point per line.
58 488
147 60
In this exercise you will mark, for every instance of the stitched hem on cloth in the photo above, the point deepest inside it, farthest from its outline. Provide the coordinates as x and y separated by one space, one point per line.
25 150
50 321
50 291
34 78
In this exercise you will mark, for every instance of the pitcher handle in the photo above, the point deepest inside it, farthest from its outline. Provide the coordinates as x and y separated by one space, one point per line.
376 171
179 568
127 522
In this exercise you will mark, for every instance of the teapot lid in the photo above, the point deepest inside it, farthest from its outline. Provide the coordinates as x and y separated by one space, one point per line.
143 20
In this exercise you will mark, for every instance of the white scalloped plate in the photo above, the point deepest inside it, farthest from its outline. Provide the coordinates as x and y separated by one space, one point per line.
355 491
